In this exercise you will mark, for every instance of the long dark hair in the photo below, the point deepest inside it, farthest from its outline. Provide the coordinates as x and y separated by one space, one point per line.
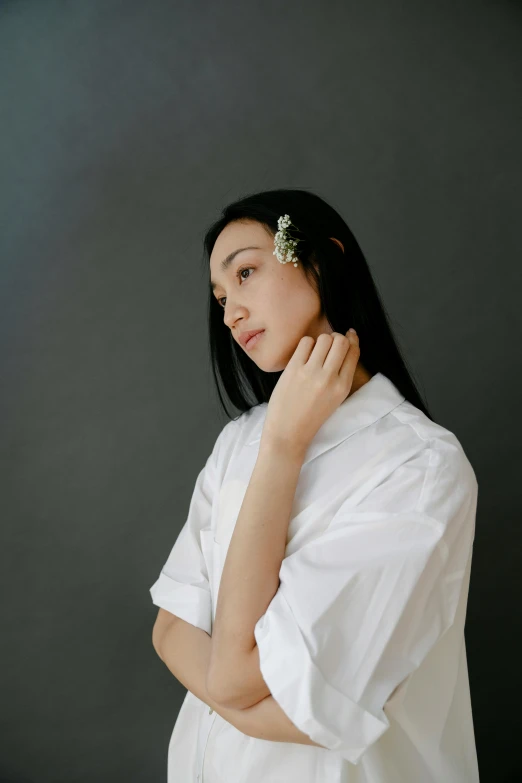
348 294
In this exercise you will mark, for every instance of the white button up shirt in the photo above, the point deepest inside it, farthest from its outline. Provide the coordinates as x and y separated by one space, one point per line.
362 645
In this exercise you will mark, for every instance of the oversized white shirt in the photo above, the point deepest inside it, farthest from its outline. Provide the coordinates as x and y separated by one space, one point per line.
362 645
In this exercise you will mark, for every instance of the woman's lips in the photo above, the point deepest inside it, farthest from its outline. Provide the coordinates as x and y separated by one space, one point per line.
253 340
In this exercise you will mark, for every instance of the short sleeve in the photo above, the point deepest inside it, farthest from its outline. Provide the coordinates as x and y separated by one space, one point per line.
182 587
360 606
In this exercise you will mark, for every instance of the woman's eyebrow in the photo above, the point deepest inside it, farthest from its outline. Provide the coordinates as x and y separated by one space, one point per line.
228 260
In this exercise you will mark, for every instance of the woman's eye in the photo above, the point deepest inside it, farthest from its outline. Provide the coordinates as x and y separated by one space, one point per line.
245 269
238 274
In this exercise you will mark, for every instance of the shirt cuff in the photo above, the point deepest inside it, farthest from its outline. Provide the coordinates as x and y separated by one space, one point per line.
193 604
316 707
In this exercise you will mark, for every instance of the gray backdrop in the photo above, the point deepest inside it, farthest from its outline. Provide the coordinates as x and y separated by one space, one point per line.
125 128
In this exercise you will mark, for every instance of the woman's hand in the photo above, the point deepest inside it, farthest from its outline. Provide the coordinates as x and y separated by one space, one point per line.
316 380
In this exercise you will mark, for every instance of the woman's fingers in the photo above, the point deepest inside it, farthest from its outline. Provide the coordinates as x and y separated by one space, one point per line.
315 381
339 346
328 351
323 344
305 346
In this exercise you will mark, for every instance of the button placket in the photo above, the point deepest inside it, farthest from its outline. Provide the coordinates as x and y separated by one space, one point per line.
202 763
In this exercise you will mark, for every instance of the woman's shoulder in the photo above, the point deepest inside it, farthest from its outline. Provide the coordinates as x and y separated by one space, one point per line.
239 431
249 424
434 437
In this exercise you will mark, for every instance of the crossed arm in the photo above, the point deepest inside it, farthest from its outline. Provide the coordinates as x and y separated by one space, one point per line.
223 670
185 650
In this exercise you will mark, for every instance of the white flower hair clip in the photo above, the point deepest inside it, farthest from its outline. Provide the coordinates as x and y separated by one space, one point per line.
284 244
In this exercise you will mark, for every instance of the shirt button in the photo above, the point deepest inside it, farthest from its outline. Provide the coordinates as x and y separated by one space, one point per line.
210 710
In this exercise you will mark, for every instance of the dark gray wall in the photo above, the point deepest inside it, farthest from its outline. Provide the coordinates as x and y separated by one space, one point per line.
125 128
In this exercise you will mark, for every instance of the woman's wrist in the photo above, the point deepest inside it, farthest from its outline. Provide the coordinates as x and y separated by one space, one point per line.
272 444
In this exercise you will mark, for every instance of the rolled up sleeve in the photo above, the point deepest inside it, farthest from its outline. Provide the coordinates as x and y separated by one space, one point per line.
359 608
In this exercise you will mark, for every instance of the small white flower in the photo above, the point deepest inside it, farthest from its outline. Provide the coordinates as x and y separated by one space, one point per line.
284 245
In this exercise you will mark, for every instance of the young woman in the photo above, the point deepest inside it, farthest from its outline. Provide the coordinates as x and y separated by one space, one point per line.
314 602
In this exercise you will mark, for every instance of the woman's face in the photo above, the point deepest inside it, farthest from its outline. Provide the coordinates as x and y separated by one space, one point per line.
258 292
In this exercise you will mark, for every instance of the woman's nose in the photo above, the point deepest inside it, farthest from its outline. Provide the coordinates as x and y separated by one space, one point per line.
232 313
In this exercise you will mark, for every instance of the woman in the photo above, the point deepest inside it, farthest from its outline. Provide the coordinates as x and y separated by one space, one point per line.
314 601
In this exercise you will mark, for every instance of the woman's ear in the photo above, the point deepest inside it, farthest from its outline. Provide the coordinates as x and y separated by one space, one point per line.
337 241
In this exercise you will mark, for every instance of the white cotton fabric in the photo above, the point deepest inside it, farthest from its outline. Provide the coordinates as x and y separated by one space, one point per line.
363 644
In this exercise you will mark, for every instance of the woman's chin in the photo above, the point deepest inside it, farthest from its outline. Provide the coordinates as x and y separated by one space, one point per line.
270 366
271 363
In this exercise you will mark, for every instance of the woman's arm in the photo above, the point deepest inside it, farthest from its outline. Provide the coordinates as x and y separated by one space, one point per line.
250 575
185 650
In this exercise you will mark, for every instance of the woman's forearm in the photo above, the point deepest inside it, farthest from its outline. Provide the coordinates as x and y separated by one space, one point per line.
185 651
250 575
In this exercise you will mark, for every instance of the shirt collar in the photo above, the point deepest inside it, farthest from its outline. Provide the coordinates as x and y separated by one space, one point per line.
370 402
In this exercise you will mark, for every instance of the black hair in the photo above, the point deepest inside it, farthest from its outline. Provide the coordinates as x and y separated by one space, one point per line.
343 281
